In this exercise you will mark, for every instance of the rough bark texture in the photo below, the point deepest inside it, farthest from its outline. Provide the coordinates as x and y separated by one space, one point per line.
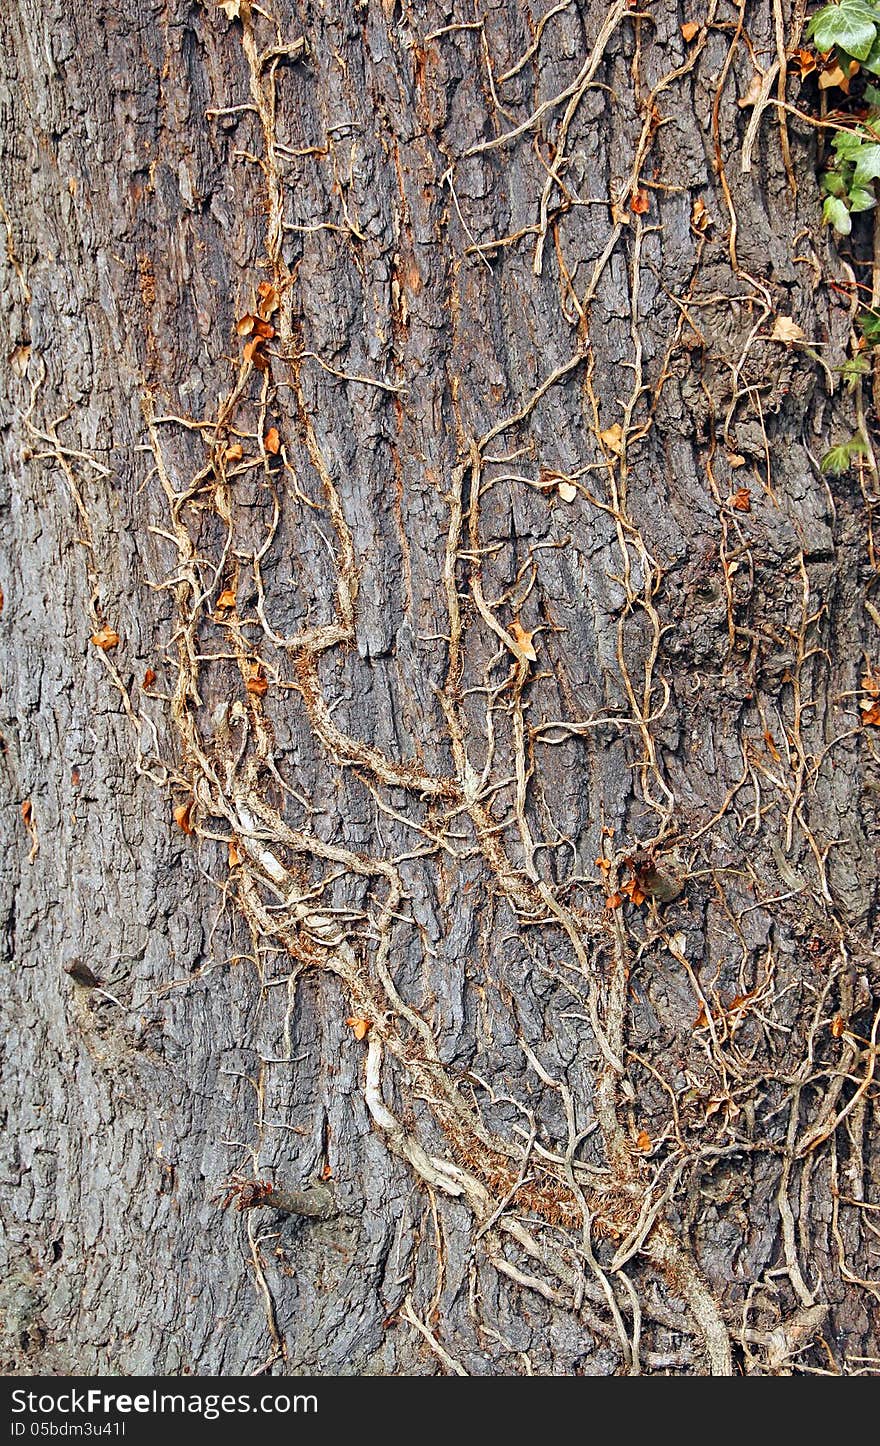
474 641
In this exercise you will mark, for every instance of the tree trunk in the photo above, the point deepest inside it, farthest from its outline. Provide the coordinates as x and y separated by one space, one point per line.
438 899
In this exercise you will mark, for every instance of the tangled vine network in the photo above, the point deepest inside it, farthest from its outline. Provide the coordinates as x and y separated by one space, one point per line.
577 1182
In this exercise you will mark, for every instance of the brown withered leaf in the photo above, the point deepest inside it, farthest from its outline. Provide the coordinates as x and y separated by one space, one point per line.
226 599
269 298
523 642
834 78
640 202
360 1027
614 901
612 438
245 324
182 815
27 810
263 329
105 638
644 1141
786 330
234 452
805 61
234 855
567 491
741 500
700 219
257 685
633 891
149 678
870 712
752 95
253 354
689 30
837 1026
272 441
774 751
871 683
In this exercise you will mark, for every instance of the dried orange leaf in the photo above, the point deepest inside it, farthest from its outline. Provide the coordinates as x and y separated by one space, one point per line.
634 891
643 1140
253 354
870 713
234 855
837 1026
612 438
639 202
741 500
752 95
105 638
699 215
257 685
269 298
359 1026
614 901
182 815
774 751
263 329
272 441
226 599
245 324
27 810
689 30
149 678
523 642
234 452
834 77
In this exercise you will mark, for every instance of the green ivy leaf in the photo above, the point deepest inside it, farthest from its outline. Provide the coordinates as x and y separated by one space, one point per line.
869 325
853 369
847 144
861 200
871 61
836 461
850 25
832 183
839 459
872 96
867 165
835 214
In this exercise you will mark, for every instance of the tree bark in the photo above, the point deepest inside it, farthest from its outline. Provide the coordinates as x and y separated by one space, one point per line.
438 900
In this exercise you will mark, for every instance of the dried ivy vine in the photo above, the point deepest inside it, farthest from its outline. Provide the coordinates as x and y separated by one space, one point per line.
585 1236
